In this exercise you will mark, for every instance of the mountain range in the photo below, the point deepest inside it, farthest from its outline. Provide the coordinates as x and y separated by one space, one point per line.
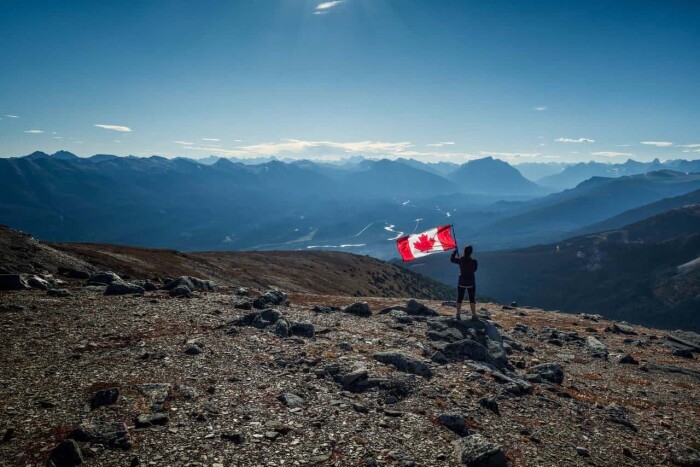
358 205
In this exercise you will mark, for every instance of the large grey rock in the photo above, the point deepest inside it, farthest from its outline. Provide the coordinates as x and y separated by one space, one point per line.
66 454
270 298
104 277
111 434
73 273
181 291
281 328
119 287
596 348
415 308
551 372
192 283
37 282
302 329
468 349
404 363
359 309
477 451
455 422
149 420
623 329
104 397
290 399
13 282
684 456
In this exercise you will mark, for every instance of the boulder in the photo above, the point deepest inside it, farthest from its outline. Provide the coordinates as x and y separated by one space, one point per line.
628 360
66 454
13 282
596 348
302 329
181 291
119 287
404 363
477 451
149 420
111 434
104 397
192 283
415 308
270 298
455 422
281 328
37 282
467 349
73 273
104 277
623 329
291 400
551 372
359 309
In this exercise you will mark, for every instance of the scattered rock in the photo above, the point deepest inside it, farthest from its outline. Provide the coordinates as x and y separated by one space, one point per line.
477 451
243 305
37 282
455 422
415 308
235 437
58 293
583 452
291 400
149 420
119 287
104 277
270 298
324 309
549 371
683 353
73 273
114 435
192 283
359 309
194 349
404 363
104 397
596 348
242 292
66 454
684 456
181 291
628 359
346 346
623 329
302 329
489 403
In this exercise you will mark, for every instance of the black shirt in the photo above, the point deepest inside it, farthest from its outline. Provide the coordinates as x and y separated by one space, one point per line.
467 268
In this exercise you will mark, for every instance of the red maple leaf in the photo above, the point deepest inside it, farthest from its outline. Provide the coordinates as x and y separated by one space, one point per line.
424 243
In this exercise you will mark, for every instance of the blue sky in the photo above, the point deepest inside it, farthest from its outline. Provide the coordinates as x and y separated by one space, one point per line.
435 80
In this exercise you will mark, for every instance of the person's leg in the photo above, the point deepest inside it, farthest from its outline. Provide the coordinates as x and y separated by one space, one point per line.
460 298
472 300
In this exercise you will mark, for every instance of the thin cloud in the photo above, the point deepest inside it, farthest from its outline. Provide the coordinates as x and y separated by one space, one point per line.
689 145
623 145
612 154
658 144
574 140
58 137
211 139
440 144
541 108
510 155
184 143
11 116
114 127
34 132
328 5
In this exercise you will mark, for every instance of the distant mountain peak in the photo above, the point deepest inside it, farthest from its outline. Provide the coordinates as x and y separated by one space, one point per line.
64 155
37 155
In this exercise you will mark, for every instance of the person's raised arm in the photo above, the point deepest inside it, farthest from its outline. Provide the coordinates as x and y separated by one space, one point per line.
453 258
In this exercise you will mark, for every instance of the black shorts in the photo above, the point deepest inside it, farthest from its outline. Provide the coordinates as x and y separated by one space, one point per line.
471 289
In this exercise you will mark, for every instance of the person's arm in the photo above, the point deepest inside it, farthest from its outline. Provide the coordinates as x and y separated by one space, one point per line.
453 258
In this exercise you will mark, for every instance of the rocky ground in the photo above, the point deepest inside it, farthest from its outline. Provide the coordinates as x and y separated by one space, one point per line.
222 379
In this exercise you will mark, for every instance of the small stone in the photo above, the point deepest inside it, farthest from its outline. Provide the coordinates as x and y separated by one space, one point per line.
454 422
149 420
104 397
359 309
345 346
628 359
236 437
271 435
583 452
489 403
393 413
290 400
66 454
193 350
477 451
360 408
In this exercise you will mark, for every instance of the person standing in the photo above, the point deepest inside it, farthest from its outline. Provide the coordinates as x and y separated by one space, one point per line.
467 281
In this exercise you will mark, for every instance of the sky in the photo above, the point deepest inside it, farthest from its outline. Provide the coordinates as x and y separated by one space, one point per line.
434 80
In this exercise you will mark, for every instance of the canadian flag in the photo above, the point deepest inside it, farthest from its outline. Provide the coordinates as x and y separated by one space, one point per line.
422 244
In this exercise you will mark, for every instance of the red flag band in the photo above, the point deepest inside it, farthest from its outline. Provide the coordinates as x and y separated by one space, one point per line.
422 244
